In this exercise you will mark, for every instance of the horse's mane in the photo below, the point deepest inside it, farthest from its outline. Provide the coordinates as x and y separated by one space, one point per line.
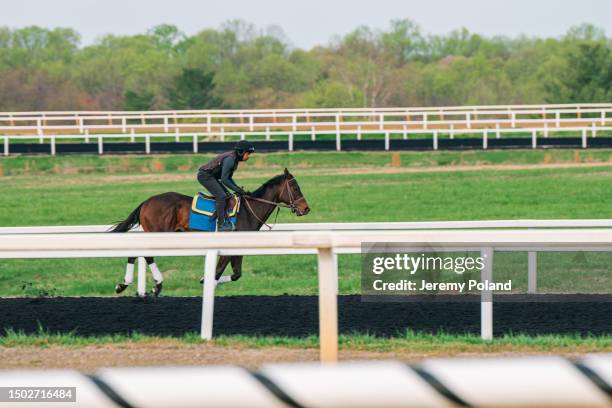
273 181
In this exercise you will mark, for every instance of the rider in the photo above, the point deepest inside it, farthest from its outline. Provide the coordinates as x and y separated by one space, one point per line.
216 177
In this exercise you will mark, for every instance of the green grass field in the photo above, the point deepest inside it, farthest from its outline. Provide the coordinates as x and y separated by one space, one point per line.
422 343
346 186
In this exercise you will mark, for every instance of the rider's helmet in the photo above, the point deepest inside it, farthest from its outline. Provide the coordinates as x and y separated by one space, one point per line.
244 146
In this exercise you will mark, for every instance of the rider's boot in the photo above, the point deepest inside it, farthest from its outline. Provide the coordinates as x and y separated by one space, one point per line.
223 224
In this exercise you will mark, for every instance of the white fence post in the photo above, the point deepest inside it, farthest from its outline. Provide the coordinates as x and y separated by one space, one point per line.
468 120
593 130
165 124
267 132
338 142
381 121
485 139
52 137
405 132
387 140
147 144
328 305
39 130
6 145
546 130
534 139
132 135
435 140
497 133
208 294
142 277
290 141
359 132
100 145
313 135
532 277
195 143
558 118
123 125
584 138
486 296
424 120
177 135
452 131
337 130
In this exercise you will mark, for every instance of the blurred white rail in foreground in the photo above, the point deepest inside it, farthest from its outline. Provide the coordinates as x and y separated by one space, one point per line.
508 382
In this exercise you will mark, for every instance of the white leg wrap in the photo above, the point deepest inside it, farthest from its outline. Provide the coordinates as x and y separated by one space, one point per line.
129 274
224 279
157 275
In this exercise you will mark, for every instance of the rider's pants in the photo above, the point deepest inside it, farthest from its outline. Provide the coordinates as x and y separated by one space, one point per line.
216 189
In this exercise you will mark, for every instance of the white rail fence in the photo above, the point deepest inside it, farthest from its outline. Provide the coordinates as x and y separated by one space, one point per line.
326 244
532 256
196 126
491 382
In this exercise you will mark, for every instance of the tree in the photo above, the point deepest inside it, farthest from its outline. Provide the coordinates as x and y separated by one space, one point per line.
138 101
193 89
166 37
586 75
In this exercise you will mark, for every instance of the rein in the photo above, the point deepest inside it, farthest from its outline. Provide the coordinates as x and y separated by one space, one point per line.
278 205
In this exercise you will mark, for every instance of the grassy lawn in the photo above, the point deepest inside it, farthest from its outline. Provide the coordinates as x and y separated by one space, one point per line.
349 187
417 343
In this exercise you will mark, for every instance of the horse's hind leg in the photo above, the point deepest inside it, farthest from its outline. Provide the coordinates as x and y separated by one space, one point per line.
128 278
157 275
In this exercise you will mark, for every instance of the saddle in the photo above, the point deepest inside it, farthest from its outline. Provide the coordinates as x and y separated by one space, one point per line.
205 204
203 213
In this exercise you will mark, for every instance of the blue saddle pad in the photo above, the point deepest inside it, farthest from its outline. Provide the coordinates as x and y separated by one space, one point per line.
202 210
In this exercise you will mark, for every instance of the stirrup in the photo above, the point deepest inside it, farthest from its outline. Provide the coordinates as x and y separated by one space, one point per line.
224 226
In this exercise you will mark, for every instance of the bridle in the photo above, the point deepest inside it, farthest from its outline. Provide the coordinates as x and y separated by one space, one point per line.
278 205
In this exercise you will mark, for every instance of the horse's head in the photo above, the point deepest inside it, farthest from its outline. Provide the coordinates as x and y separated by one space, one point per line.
291 195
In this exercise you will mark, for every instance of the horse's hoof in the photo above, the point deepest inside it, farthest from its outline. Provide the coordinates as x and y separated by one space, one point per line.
157 289
201 281
120 288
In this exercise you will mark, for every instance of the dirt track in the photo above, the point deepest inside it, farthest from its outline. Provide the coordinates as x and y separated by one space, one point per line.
295 316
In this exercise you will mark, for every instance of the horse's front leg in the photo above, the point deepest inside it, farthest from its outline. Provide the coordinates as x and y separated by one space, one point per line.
221 265
236 267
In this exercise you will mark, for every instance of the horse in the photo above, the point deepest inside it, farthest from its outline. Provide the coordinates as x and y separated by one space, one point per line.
169 212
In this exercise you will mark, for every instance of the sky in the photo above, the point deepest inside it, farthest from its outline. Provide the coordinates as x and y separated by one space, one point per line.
311 22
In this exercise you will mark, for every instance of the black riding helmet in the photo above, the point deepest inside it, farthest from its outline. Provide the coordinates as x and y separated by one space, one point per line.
244 146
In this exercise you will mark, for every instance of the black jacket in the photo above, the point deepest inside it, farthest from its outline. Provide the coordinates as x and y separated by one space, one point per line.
222 168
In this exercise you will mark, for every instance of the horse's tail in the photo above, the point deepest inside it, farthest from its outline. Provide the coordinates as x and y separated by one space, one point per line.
130 222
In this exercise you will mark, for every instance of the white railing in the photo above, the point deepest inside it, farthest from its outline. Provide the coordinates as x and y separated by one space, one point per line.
347 226
326 244
532 256
195 126
195 138
535 381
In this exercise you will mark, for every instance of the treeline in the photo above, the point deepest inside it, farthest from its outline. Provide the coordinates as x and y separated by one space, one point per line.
238 66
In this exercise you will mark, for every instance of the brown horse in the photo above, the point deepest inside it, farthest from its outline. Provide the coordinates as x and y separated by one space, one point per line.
169 212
